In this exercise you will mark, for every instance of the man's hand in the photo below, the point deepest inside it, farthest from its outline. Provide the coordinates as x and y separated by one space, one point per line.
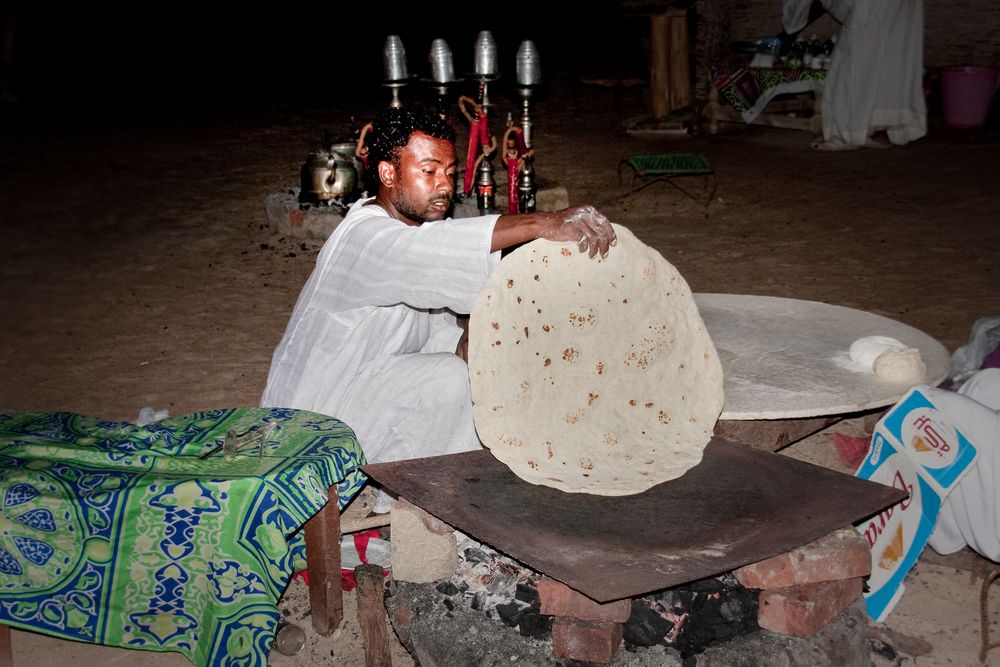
582 225
585 226
462 349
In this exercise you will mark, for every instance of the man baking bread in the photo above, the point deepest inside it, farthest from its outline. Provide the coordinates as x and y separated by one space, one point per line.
374 339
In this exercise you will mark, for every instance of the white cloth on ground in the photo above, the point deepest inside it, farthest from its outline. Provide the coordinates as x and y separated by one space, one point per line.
875 78
970 515
372 337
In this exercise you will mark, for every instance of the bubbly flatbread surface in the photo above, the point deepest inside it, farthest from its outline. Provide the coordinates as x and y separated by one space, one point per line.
592 375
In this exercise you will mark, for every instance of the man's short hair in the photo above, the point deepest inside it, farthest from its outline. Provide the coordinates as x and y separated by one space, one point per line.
391 131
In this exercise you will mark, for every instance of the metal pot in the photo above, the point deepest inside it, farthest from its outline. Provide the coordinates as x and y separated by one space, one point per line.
331 176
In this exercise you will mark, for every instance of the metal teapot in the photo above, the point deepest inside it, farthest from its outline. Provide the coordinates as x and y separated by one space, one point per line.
331 176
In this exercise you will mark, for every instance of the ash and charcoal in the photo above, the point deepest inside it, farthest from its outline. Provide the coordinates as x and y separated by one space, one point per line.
687 618
488 613
692 617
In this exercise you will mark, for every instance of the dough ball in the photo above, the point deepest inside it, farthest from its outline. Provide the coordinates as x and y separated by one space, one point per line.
864 351
900 366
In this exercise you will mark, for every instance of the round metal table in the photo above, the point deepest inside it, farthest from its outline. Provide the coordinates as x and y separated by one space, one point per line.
788 359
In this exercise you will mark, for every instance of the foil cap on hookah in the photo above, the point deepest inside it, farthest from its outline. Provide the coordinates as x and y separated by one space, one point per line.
485 55
442 65
529 67
394 59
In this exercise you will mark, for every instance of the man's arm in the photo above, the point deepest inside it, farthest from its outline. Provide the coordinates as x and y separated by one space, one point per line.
583 225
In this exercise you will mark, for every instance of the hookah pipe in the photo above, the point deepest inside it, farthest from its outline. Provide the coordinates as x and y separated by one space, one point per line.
516 154
528 77
481 143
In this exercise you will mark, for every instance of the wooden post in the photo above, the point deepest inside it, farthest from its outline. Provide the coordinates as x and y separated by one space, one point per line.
326 599
659 65
679 89
371 615
669 75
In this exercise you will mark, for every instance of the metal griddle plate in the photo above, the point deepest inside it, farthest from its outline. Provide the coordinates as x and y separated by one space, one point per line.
739 505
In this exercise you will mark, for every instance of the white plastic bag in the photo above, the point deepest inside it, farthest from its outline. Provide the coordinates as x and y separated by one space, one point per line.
983 339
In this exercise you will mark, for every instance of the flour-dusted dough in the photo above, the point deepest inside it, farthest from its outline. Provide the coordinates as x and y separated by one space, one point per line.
904 365
864 351
592 375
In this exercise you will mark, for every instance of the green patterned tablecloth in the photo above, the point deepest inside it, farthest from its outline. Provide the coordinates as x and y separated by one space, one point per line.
119 534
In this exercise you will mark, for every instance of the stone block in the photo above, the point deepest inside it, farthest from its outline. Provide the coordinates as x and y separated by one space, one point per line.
843 554
285 216
801 611
558 599
587 641
551 199
546 199
423 548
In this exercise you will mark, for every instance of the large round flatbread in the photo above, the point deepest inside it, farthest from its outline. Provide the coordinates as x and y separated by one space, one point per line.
592 375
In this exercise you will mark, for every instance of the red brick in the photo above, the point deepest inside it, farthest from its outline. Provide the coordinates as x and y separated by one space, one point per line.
558 599
296 219
588 641
803 610
843 554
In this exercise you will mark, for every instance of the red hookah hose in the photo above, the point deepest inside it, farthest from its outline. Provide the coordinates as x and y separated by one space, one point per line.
522 148
474 134
512 185
484 129
510 157
470 155
360 150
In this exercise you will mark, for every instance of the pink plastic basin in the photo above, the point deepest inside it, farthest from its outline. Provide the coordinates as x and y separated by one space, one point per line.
966 93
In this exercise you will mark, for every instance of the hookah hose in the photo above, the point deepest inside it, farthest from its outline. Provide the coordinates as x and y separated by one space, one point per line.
475 138
510 156
360 150
479 137
515 152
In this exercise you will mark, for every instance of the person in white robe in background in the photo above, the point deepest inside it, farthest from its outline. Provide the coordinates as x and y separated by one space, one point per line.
875 78
375 337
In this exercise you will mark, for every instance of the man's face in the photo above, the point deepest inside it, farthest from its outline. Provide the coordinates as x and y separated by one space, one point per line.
425 178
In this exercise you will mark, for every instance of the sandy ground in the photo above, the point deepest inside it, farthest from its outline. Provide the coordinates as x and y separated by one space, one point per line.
139 270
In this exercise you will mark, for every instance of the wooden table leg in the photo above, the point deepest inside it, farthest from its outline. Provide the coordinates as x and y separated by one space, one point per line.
714 109
6 650
984 616
326 598
371 615
816 122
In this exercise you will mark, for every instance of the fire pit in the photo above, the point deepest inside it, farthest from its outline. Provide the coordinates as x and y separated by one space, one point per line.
490 612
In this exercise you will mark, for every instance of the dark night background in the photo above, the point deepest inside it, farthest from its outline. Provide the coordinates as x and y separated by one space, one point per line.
88 63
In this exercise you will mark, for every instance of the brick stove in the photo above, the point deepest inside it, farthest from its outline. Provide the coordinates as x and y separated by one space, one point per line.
802 607
728 520
800 593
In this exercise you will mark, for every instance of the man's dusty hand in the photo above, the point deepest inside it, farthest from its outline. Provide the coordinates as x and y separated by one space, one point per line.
585 226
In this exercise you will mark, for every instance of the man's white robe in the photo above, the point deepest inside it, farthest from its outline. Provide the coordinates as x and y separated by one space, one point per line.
372 338
875 79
